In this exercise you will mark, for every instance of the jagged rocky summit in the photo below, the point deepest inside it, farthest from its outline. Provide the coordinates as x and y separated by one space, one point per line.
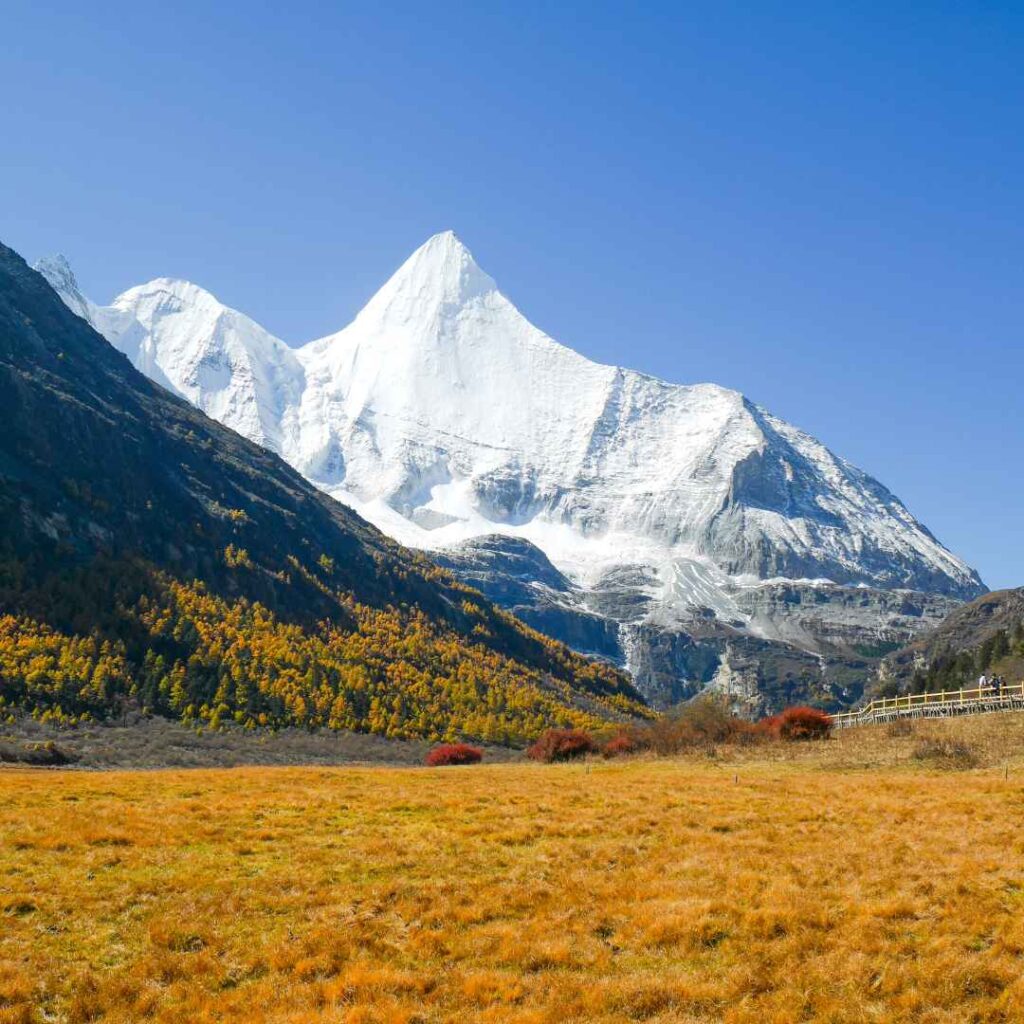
680 530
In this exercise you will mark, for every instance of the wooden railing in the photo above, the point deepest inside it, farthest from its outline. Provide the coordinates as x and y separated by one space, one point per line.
944 703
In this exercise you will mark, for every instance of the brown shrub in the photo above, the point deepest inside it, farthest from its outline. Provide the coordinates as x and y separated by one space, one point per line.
700 725
900 727
561 745
948 753
39 753
454 753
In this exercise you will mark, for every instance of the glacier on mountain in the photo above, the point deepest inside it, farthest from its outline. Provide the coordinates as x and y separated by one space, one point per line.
443 415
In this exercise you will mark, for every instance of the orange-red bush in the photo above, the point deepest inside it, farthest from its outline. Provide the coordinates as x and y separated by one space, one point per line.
561 745
799 723
621 744
454 753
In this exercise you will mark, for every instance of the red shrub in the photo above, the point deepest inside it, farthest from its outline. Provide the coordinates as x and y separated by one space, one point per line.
801 723
454 753
561 745
620 744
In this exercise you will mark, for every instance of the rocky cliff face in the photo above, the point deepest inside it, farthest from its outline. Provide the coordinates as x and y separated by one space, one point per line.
443 416
820 643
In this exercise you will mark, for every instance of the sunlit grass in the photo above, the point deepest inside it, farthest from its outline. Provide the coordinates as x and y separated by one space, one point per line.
734 888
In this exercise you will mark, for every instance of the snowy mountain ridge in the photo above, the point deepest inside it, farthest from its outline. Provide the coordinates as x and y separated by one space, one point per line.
442 415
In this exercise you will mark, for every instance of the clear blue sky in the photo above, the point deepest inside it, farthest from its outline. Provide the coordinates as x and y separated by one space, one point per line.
818 204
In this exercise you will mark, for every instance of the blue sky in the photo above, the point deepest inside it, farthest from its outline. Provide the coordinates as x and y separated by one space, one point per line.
821 205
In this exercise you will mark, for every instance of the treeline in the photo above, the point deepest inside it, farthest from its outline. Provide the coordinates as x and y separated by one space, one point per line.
123 637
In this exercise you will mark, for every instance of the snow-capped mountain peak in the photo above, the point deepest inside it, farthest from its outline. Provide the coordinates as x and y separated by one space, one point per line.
442 414
184 338
421 302
441 275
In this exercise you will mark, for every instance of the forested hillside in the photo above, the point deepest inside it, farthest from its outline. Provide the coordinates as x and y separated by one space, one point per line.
152 559
985 636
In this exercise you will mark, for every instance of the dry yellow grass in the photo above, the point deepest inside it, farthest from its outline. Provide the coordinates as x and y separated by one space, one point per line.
808 890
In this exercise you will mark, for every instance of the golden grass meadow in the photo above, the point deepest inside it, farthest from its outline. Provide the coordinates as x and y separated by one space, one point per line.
845 881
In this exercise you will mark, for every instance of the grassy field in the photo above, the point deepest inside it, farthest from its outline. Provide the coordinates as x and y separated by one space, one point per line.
844 881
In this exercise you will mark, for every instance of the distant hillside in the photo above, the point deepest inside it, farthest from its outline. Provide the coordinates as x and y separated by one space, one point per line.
151 558
986 635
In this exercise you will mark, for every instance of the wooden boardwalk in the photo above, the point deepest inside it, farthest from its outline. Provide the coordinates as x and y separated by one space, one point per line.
942 704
